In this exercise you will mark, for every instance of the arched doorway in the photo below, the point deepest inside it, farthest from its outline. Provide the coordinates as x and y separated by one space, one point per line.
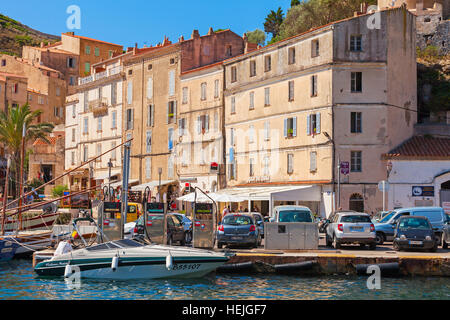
356 202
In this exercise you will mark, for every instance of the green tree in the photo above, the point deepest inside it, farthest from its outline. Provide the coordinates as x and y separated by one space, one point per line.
315 13
58 191
257 36
11 128
295 3
273 22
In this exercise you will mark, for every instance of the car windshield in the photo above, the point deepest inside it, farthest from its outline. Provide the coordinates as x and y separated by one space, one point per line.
294 216
412 223
387 217
237 220
355 219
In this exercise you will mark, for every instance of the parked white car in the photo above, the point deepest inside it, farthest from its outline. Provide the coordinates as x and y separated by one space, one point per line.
292 214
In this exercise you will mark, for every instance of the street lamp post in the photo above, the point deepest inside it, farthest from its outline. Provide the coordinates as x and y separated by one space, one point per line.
109 179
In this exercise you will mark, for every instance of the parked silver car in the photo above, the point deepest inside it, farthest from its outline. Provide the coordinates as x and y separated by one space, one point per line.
446 233
351 227
259 219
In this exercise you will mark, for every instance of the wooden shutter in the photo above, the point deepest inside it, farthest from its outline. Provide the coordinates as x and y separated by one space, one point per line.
318 122
294 126
308 125
285 127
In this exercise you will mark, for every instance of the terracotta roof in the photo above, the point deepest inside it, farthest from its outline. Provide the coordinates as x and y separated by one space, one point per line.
40 142
4 75
421 147
203 68
283 183
91 39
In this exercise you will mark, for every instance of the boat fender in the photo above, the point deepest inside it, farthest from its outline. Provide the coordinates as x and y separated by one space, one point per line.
68 271
114 263
236 267
293 267
391 268
169 261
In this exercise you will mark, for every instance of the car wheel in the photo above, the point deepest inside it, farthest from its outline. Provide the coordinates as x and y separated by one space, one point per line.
187 237
336 243
380 238
444 244
373 246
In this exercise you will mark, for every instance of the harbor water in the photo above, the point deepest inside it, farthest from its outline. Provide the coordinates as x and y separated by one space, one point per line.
19 282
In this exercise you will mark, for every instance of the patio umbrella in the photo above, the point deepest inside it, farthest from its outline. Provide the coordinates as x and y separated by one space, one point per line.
201 198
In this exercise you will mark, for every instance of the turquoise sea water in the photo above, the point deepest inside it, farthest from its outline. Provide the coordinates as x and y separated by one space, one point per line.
18 281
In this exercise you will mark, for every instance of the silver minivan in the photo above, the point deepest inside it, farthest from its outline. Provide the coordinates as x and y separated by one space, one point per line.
348 227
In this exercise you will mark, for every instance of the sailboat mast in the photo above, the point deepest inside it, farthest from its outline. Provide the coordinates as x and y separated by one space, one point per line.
22 156
5 195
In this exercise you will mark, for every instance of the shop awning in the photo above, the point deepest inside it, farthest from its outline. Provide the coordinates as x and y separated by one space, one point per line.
279 193
119 183
105 175
151 184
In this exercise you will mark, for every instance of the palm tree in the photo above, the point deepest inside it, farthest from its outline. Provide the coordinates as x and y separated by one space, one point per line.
12 124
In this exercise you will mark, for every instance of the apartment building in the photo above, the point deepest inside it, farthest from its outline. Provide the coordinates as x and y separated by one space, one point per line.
13 90
94 125
200 129
46 86
342 93
152 95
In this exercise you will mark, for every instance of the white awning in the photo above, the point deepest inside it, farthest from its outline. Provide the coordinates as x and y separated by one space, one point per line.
105 175
223 197
119 183
279 193
151 184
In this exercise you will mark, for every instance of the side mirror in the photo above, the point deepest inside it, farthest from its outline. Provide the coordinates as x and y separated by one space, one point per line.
259 223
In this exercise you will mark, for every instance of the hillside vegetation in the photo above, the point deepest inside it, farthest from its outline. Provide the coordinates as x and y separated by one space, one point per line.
14 35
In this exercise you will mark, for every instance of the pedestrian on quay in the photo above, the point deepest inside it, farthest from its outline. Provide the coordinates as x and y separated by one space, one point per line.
225 211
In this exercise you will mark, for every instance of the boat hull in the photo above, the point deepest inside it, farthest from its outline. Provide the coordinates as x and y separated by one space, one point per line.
34 223
7 250
133 268
29 241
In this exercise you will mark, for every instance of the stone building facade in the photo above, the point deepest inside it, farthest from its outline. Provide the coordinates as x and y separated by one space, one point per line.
343 92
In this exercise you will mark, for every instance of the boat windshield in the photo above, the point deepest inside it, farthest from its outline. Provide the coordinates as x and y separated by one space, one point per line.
119 244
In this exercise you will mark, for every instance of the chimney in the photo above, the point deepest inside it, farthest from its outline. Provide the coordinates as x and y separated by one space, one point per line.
166 41
181 39
210 31
195 34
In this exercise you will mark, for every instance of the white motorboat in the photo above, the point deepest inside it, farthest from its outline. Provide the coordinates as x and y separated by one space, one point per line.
129 259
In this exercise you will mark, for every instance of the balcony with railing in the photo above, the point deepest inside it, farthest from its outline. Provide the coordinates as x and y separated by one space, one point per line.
99 107
100 75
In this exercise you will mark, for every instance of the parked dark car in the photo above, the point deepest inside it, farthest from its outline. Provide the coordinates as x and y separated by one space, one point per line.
414 232
175 230
446 233
238 229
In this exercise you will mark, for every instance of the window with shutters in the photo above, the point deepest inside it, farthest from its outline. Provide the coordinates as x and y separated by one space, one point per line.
233 74
72 158
85 153
252 100
203 91
291 56
355 122
290 127
170 139
99 152
290 163
232 165
314 86
251 134
130 92
251 167
233 105
70 62
182 127
356 43
203 124
73 134
114 93
171 82
291 90
252 68
267 63
313 161
266 166
148 142
85 125
185 92
86 102
171 112
129 119
150 88
88 50
313 124
266 97
150 115
170 168
232 136
267 130
356 82
114 119
216 121
99 124
315 50
87 67
216 88
355 161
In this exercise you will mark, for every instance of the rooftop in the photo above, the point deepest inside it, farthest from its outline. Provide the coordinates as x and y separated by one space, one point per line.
421 147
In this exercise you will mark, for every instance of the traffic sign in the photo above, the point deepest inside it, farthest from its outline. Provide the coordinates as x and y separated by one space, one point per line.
383 185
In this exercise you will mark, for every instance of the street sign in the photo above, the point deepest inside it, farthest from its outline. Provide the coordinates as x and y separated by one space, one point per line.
345 167
423 191
383 185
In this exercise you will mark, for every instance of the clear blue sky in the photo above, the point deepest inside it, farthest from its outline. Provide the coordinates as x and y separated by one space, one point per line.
145 21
